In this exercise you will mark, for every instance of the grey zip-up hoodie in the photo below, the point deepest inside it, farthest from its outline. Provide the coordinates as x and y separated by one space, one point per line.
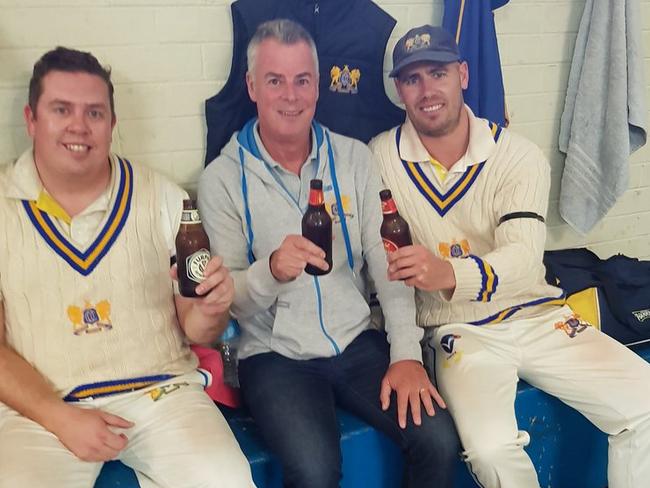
308 317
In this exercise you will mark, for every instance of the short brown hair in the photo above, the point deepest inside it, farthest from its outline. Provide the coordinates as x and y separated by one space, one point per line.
71 61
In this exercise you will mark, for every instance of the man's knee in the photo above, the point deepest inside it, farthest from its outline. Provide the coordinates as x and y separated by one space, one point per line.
217 467
493 453
312 473
436 439
30 456
30 475
310 461
485 455
13 478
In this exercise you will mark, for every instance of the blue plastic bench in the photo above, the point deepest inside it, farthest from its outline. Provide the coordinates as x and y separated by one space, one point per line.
567 451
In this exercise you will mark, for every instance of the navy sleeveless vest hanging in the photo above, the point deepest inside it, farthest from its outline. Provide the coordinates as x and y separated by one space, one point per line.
350 37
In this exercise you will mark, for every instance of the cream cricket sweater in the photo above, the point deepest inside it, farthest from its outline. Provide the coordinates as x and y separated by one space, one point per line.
497 264
96 320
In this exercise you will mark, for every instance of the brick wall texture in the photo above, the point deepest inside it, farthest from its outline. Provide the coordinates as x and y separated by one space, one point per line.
168 56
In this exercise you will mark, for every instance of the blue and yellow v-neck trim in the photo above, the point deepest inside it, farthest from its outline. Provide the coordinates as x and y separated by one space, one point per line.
84 262
443 202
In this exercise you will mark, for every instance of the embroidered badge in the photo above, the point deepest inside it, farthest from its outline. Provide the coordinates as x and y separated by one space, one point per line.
642 315
333 209
157 393
420 41
92 318
572 326
448 343
454 249
344 80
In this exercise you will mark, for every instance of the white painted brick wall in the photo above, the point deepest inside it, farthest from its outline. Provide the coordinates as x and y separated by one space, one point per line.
168 56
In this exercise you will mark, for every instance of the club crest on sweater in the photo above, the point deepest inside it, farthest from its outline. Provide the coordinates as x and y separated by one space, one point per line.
454 249
90 318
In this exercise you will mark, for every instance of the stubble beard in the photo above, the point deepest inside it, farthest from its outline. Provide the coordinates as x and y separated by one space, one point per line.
440 130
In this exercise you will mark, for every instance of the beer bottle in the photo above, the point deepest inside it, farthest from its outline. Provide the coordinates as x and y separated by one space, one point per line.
317 226
192 250
394 229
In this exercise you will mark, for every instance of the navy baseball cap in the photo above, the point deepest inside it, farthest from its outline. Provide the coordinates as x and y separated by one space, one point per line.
424 43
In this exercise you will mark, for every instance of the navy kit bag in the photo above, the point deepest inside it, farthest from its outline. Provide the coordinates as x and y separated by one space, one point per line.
622 285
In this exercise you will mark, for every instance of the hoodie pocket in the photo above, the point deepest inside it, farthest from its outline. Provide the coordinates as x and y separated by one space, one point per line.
319 318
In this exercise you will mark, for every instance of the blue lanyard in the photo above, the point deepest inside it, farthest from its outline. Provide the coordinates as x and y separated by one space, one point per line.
247 139
339 203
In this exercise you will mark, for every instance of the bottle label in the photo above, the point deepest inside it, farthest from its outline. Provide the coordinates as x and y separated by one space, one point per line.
389 246
316 198
195 265
388 206
190 217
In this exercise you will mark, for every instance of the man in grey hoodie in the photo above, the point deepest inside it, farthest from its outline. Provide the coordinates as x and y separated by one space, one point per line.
307 342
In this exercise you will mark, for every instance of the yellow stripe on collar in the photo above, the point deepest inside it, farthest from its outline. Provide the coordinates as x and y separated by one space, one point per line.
85 261
442 202
440 170
46 203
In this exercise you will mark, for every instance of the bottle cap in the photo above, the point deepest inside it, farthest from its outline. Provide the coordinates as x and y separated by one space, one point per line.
316 184
385 195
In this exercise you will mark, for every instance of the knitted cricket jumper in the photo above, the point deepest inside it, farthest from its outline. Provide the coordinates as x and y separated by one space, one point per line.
486 218
92 321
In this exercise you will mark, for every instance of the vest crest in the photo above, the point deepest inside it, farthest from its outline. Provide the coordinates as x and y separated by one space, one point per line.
345 80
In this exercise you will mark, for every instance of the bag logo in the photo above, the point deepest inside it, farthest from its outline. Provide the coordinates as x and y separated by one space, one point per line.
345 80
642 315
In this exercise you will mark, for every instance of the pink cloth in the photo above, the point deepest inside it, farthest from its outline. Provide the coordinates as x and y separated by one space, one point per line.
210 360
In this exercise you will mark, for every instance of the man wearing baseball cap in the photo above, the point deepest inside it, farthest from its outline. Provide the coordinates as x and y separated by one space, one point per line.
475 196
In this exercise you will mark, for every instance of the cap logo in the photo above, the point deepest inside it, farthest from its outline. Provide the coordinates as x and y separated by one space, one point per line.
419 41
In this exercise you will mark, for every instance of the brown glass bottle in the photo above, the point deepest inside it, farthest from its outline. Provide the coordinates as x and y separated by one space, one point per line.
394 229
317 226
192 250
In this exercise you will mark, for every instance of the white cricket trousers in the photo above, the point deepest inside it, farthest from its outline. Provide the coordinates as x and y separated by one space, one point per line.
180 440
477 369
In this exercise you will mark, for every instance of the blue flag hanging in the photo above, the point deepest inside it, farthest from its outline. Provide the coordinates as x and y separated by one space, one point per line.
472 23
